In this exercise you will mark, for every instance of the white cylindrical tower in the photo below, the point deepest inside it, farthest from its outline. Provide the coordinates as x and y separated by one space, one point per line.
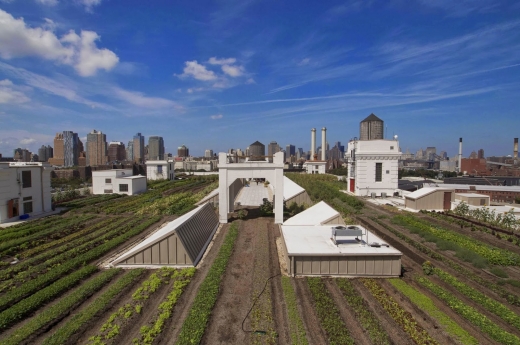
324 144
460 155
313 143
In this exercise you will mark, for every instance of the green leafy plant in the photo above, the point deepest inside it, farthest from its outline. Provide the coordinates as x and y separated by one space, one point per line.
296 328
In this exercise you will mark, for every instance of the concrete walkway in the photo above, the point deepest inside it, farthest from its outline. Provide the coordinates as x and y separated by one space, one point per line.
253 195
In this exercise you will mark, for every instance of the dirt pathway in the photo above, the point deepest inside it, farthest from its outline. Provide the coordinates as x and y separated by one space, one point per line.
315 334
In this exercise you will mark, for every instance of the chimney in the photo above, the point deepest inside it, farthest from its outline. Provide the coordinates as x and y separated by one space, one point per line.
313 143
324 144
515 149
460 154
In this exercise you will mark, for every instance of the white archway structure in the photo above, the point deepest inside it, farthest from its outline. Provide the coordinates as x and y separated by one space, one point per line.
229 172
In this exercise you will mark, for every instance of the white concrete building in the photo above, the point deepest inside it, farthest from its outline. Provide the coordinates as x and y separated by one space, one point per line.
25 189
373 166
315 167
160 170
119 181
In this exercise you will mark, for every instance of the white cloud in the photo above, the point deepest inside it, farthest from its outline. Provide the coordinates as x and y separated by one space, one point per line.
194 89
48 2
216 61
216 117
89 4
80 51
140 100
304 62
198 71
233 71
250 81
9 94
27 141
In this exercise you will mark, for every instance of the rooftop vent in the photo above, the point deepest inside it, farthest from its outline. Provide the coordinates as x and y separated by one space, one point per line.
350 231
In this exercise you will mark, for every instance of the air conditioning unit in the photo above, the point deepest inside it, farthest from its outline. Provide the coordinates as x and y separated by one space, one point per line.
383 195
373 195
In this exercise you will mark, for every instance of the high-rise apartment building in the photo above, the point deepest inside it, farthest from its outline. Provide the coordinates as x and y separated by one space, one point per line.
138 148
155 148
116 151
22 155
130 151
67 148
290 150
183 151
45 152
480 154
300 154
272 148
208 153
371 128
96 148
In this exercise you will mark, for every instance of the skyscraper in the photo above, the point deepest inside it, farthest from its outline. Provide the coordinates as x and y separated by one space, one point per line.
290 150
272 148
256 151
155 148
45 152
67 147
480 154
183 151
130 151
116 151
96 148
208 153
138 148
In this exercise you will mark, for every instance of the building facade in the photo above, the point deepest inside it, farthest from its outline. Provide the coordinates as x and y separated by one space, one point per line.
96 148
67 148
118 181
160 170
372 167
45 152
116 152
155 148
208 153
25 188
138 148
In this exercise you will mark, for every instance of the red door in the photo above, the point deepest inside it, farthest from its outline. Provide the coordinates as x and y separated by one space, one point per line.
10 209
352 185
447 200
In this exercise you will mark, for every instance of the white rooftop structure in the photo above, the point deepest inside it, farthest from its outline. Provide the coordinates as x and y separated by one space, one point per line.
316 240
480 187
319 214
290 188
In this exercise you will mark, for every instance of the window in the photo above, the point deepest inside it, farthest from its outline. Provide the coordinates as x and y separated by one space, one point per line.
108 180
123 188
108 191
391 147
26 179
482 202
379 172
27 198
159 169
27 207
388 171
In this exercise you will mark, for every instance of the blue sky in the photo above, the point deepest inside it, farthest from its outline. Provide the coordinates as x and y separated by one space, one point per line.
223 74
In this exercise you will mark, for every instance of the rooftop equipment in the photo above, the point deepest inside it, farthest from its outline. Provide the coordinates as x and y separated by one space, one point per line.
345 231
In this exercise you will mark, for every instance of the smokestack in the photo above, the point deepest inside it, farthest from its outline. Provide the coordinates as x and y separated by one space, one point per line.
460 154
515 149
324 144
313 143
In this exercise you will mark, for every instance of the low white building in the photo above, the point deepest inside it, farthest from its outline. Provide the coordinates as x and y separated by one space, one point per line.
160 170
315 167
25 189
373 167
119 181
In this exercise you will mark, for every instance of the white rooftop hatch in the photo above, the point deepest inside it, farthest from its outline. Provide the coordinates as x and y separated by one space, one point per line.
290 188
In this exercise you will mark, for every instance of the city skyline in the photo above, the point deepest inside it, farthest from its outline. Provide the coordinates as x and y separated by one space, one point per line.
218 75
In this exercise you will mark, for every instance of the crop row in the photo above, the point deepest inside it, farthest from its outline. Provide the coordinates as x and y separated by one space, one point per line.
296 328
490 304
30 227
28 241
26 306
494 255
400 316
470 314
181 279
26 269
195 324
55 273
453 219
366 318
511 298
427 305
64 333
110 329
61 308
328 313
90 200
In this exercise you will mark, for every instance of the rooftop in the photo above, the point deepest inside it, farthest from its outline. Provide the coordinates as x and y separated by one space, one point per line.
315 215
316 240
425 191
372 117
291 189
